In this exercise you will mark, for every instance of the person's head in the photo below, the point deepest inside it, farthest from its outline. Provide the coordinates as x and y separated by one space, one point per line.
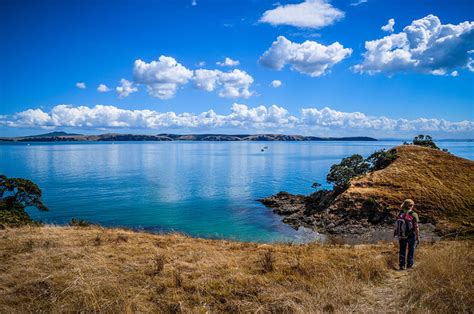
407 205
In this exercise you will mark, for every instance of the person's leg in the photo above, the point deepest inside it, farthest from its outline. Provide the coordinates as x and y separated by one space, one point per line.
402 253
411 252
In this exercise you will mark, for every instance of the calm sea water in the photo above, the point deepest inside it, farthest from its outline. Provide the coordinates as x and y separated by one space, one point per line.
206 189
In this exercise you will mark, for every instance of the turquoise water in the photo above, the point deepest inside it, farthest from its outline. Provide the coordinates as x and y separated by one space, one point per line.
206 189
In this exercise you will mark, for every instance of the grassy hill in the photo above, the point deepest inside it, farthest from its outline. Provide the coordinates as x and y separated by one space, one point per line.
92 269
440 183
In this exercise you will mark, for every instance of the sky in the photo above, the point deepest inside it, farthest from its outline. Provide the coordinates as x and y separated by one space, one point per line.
326 68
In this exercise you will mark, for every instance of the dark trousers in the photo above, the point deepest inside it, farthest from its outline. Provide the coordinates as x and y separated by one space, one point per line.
404 243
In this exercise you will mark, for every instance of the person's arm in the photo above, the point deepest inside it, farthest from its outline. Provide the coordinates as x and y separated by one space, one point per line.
417 228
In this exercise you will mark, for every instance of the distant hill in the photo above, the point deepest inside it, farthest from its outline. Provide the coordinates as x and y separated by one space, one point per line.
53 134
116 137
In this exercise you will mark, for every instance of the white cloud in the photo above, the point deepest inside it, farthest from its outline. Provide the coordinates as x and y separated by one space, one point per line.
228 62
201 63
310 57
359 2
455 73
232 84
424 46
241 117
81 85
194 3
307 14
102 88
125 88
389 26
275 83
163 77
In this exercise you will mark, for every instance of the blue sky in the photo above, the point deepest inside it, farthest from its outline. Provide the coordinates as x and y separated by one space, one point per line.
50 46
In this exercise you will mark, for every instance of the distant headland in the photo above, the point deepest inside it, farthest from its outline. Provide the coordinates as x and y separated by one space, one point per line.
117 137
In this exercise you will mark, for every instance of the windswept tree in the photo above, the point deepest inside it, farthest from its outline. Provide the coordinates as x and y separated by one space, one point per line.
350 167
15 195
425 140
381 159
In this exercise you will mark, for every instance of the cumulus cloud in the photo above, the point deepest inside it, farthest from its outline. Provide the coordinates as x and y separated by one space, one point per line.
102 88
307 14
125 88
275 83
424 46
232 84
310 57
389 26
228 62
100 116
163 77
241 117
81 85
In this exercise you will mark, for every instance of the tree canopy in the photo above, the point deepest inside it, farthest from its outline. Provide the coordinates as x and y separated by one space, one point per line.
350 167
424 140
15 195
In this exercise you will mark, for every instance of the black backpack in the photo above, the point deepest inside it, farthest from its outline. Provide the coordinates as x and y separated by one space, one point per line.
404 226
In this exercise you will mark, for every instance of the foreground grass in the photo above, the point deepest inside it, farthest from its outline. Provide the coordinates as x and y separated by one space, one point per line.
444 281
64 269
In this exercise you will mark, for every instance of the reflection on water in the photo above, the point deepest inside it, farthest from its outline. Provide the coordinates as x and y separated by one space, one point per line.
200 188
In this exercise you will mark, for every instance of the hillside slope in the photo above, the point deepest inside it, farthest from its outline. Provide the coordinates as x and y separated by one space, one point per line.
441 184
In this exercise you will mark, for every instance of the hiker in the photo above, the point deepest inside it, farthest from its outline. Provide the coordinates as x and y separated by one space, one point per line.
408 233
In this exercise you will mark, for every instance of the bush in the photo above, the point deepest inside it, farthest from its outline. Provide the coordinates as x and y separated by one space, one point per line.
80 223
350 167
381 159
425 140
15 195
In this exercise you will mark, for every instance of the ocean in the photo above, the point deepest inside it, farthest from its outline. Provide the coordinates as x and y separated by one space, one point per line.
204 189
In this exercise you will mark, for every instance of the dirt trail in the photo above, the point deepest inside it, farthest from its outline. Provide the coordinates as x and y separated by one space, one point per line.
385 297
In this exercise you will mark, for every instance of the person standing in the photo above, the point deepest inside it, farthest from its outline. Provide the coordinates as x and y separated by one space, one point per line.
408 233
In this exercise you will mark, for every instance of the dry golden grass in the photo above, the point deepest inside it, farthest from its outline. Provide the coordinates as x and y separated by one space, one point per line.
438 182
71 269
444 281
55 269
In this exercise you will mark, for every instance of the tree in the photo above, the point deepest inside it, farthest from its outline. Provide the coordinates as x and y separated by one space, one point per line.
425 140
350 167
15 195
381 159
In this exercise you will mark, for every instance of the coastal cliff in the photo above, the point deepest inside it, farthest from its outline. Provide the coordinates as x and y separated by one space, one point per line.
439 183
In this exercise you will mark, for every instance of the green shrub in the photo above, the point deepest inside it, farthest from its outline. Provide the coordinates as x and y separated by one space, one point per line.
350 167
15 195
425 140
381 159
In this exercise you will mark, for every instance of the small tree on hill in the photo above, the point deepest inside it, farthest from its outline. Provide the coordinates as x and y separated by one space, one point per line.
15 195
381 159
350 167
425 140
